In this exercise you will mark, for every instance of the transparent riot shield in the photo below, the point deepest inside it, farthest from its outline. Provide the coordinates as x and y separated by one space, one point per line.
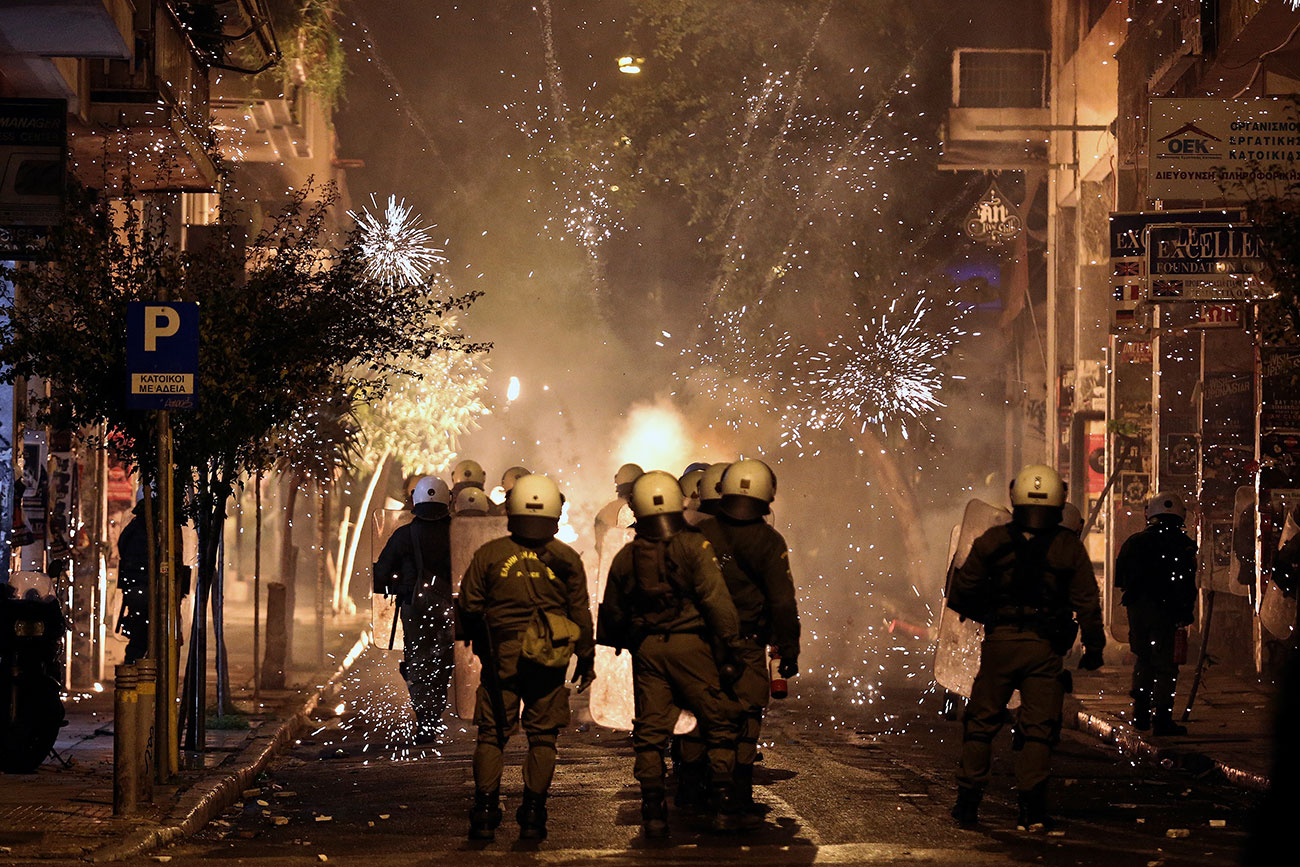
467 536
1276 610
612 699
957 656
384 622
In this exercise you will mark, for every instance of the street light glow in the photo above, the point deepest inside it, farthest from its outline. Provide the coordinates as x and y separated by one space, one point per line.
629 65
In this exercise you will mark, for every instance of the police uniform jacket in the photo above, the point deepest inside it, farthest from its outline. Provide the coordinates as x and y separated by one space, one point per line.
663 587
493 591
756 567
396 570
1059 580
1157 567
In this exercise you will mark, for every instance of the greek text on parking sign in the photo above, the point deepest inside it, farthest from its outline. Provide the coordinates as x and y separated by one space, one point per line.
162 354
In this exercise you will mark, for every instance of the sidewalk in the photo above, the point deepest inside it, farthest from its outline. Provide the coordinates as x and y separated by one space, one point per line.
1228 736
67 812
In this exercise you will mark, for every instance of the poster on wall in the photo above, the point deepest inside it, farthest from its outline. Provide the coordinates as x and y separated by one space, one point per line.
1279 397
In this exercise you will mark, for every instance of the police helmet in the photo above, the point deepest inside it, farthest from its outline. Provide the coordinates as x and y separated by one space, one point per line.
430 489
468 472
695 465
533 508
1037 497
471 503
623 479
748 487
657 504
1072 518
690 483
710 493
512 475
1167 504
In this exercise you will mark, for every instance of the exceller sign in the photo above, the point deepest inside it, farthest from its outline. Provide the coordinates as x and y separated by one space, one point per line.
1217 150
1212 262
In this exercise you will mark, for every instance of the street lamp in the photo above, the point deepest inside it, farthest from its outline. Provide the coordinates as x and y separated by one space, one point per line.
629 65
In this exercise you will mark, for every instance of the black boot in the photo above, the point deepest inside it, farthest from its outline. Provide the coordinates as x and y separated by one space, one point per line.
1033 810
654 814
692 790
1165 726
1141 712
531 817
966 811
726 809
485 815
745 791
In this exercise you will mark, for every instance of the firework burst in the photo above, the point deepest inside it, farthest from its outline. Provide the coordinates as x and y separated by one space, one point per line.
396 243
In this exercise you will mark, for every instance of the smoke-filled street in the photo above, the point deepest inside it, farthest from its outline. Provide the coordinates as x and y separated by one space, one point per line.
843 785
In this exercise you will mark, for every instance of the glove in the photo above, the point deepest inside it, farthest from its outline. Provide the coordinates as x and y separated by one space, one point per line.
584 673
1091 660
788 667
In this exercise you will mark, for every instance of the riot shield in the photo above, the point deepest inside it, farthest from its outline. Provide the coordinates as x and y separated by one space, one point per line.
385 625
467 536
1276 610
612 700
957 655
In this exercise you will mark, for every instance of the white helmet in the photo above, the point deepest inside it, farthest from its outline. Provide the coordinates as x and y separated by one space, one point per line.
657 504
468 472
471 502
748 487
710 493
533 507
690 484
1167 503
510 476
623 479
430 489
1037 497
1072 518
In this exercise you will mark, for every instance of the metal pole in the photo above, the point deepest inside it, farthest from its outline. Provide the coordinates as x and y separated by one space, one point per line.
257 586
126 767
166 612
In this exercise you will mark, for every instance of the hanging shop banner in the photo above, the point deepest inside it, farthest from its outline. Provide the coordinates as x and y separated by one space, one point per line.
1211 262
33 148
1279 390
993 220
1128 251
1221 149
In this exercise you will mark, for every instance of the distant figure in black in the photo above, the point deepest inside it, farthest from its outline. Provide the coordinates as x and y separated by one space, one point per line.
133 581
1156 570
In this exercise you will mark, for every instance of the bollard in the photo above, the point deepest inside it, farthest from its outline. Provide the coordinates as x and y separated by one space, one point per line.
126 765
146 684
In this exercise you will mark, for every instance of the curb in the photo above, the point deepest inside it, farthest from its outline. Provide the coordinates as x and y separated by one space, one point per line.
205 800
1130 742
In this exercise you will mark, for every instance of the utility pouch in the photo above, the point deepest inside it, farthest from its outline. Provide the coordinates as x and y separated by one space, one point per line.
550 639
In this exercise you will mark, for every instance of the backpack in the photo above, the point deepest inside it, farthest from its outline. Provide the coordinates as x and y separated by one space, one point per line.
658 595
549 639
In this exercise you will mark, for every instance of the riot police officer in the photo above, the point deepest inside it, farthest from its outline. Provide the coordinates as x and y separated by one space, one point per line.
608 516
665 601
415 566
690 485
1024 581
133 581
508 479
471 502
512 586
755 564
1156 570
710 488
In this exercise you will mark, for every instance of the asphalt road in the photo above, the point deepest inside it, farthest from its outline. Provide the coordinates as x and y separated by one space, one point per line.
845 784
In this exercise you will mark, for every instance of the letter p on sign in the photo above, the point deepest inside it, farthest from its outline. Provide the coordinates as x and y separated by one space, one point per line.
159 322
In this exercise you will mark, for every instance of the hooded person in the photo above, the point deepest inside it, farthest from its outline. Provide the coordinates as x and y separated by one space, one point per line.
755 563
415 567
666 603
1026 581
133 581
1156 571
523 604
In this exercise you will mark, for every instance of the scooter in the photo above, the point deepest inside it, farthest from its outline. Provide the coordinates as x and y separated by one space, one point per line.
31 703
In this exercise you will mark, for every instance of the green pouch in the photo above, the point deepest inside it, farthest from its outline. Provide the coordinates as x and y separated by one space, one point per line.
549 640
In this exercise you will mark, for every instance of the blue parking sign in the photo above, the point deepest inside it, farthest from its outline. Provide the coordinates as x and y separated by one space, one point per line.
162 354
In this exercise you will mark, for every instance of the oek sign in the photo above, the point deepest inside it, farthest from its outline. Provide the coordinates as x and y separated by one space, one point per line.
1207 262
162 354
1215 150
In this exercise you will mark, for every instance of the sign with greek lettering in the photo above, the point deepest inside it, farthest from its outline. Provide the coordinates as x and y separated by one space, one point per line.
162 354
1212 262
33 147
1221 150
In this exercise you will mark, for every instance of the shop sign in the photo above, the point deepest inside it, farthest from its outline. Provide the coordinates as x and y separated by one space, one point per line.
1221 149
994 220
1218 316
1128 250
1213 262
1135 352
33 148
